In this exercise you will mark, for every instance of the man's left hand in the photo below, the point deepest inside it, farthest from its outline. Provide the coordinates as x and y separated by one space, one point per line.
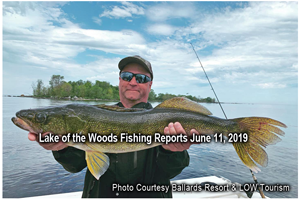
176 129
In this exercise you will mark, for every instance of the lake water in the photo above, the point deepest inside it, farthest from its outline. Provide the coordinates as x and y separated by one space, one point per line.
29 170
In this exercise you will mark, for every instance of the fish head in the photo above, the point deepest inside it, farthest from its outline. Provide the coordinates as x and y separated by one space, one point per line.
40 120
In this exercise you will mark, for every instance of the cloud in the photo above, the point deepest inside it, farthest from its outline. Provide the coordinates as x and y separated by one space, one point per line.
128 9
29 32
271 85
61 45
34 16
161 29
258 20
164 11
295 65
46 43
251 38
97 20
248 46
37 41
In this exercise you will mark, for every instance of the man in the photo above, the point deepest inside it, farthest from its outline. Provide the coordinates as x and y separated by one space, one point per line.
147 167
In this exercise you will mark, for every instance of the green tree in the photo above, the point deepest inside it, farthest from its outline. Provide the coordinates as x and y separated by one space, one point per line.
82 91
110 93
116 92
38 88
88 85
152 95
96 92
54 82
65 89
79 82
100 90
33 89
46 92
160 96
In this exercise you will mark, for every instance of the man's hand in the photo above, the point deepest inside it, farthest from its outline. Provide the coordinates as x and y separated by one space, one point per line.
48 146
176 129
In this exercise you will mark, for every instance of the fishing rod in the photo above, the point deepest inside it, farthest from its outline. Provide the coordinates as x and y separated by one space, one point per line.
253 176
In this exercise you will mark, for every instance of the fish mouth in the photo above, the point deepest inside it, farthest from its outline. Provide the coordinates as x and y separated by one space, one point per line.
23 125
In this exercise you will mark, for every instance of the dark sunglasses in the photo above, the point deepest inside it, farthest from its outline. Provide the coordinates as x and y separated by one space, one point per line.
140 78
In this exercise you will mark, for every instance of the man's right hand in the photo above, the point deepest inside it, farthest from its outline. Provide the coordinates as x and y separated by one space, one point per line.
48 146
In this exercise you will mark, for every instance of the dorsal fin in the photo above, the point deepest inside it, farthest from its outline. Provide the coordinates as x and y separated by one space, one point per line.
118 109
184 104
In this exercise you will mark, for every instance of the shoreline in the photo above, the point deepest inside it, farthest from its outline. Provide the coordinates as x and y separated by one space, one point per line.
109 100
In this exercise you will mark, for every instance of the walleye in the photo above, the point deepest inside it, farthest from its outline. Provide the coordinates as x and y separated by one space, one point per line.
107 120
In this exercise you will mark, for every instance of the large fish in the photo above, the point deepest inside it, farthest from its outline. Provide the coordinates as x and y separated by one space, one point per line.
105 120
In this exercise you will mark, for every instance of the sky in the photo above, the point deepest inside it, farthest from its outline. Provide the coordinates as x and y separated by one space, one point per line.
248 49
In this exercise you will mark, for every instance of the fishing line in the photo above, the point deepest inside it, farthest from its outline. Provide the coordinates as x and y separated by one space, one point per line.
253 176
209 82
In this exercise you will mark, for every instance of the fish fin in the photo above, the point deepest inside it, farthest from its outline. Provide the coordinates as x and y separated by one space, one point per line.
261 133
244 156
97 163
184 104
117 108
257 153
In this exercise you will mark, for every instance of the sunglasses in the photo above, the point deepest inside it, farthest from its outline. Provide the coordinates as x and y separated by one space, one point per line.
140 78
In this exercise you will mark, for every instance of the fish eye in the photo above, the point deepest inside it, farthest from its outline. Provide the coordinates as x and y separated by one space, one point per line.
41 117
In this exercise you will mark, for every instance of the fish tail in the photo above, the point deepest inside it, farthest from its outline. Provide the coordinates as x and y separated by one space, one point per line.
261 132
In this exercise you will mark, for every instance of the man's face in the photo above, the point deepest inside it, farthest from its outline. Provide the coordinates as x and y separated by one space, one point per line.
133 91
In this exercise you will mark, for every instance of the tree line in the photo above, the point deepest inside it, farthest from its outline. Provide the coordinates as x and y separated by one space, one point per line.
102 90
